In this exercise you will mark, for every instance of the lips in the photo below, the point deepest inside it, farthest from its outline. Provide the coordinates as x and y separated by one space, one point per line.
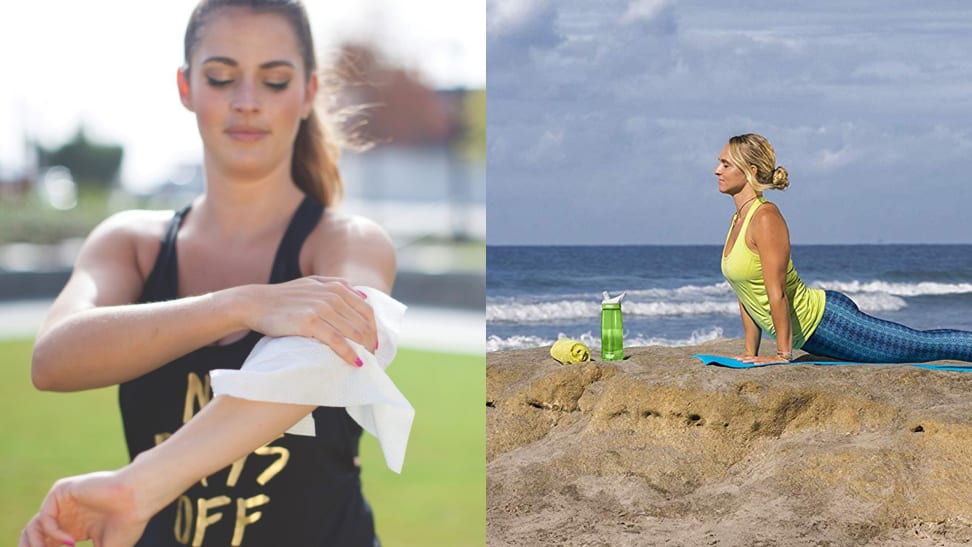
246 133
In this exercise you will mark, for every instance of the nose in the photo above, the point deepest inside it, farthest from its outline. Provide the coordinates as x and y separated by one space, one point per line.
245 98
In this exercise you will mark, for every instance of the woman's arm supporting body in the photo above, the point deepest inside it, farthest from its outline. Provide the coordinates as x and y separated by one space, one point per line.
223 431
752 333
94 336
771 239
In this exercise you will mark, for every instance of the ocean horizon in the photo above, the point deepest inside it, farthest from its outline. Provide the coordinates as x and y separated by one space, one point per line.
676 295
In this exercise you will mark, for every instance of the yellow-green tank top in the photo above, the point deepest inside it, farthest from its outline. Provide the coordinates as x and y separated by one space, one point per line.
744 272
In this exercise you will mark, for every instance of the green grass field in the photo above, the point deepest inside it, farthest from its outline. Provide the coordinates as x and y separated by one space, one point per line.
439 499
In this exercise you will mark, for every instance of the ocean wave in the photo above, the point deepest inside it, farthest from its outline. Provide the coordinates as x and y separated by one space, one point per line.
714 299
496 343
874 302
542 311
577 309
715 289
656 309
920 288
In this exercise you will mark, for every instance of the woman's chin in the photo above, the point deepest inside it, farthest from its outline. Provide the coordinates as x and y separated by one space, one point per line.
247 166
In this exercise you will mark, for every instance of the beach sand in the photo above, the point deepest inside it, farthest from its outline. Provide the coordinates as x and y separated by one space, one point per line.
661 450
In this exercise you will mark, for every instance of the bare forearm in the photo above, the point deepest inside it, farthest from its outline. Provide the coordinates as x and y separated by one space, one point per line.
752 333
780 312
227 429
752 338
104 346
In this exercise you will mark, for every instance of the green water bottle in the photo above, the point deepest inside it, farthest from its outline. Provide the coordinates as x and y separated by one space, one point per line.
612 328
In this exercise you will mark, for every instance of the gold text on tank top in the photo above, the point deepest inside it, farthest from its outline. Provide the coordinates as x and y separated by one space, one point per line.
195 517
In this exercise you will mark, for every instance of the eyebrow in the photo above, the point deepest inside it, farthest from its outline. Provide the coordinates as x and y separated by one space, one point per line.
232 62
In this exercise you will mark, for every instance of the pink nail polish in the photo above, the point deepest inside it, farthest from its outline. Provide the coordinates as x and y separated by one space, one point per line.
376 345
363 295
71 543
357 361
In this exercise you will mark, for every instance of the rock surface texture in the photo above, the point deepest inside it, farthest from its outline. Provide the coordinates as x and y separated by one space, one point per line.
659 449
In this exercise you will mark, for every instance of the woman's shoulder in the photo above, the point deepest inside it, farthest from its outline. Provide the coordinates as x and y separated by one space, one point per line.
767 211
137 226
768 225
343 241
352 229
133 234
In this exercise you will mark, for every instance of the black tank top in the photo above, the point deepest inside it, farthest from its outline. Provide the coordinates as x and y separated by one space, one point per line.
296 490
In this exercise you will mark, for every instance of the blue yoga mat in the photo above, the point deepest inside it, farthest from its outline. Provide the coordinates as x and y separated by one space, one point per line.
723 361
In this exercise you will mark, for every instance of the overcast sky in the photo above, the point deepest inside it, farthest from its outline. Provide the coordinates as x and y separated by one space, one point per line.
111 64
606 118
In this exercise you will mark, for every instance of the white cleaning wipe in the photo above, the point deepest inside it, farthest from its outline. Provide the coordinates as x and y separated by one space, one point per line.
299 370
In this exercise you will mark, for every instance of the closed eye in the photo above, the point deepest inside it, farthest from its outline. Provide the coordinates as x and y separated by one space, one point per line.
217 83
279 86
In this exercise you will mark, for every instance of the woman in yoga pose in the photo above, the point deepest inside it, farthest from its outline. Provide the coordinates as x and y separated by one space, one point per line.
159 299
772 297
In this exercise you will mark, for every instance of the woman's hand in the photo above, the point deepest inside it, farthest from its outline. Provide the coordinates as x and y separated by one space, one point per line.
96 506
758 360
325 308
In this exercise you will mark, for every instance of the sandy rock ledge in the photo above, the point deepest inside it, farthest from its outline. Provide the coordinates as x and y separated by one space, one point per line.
661 450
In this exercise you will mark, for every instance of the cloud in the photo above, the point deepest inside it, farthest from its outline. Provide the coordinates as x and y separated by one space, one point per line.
514 27
651 14
639 95
504 15
548 150
644 10
829 160
888 71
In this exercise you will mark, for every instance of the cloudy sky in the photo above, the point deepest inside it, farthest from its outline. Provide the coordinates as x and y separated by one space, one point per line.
606 118
111 64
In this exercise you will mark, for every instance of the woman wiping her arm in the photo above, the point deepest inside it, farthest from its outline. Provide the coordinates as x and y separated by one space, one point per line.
159 299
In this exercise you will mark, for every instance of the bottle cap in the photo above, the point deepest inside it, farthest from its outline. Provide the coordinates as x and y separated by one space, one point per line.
606 298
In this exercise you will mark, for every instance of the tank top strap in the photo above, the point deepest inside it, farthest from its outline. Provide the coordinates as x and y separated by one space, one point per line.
286 264
749 214
161 282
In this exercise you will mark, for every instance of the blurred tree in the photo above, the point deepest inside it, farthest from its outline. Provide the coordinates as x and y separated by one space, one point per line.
394 105
91 163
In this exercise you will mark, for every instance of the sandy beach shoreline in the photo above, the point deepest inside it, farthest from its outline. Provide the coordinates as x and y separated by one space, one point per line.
662 450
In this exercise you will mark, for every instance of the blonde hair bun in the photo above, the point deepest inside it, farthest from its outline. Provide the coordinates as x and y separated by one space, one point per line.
752 150
781 179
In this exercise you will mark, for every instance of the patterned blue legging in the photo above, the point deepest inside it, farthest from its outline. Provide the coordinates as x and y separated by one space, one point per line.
848 334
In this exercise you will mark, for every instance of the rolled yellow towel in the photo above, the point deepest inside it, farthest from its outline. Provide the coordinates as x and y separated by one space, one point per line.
568 351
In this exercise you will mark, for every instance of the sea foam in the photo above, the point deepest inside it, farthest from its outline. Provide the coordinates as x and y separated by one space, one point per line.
920 288
696 300
496 343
